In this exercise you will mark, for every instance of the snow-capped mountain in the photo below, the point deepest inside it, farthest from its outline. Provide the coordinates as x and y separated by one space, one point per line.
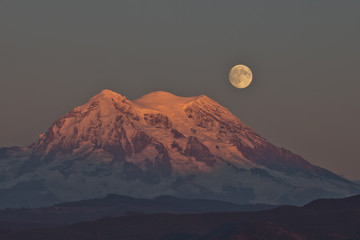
160 144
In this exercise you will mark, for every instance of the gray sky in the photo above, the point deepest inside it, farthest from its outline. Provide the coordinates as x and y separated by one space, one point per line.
304 55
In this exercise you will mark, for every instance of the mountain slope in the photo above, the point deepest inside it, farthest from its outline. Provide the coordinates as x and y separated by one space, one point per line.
160 144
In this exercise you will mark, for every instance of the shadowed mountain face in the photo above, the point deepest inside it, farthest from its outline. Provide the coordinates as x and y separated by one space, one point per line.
321 219
160 144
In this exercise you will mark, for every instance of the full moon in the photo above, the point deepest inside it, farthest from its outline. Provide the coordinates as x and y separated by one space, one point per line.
240 76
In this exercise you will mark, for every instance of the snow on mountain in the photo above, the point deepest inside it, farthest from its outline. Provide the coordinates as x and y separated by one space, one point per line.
160 144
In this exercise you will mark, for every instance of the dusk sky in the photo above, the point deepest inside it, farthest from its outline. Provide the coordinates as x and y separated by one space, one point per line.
304 56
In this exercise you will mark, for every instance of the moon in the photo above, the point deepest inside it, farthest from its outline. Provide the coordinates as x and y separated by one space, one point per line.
240 76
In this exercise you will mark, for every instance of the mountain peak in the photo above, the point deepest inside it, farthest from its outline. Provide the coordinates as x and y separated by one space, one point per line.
106 94
162 97
161 100
160 94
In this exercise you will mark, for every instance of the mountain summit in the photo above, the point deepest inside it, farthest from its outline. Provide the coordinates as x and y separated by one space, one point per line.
159 144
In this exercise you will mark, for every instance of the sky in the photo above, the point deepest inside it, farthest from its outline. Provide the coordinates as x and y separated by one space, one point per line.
304 56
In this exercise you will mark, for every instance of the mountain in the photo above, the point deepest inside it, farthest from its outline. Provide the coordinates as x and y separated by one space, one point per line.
160 144
330 219
112 205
